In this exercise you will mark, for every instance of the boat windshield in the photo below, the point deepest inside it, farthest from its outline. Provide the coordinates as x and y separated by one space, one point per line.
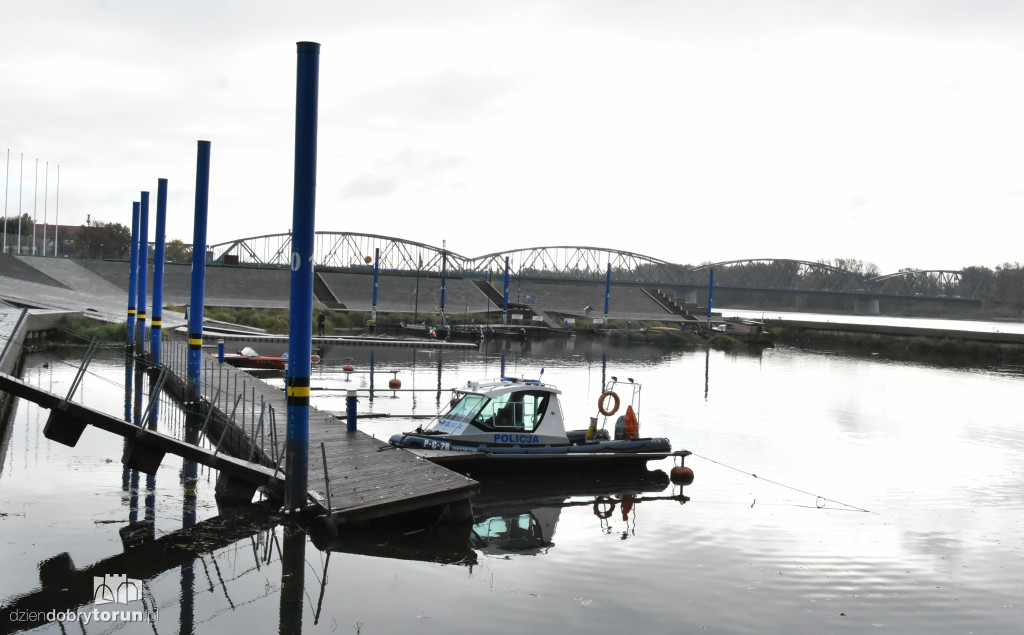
519 411
465 408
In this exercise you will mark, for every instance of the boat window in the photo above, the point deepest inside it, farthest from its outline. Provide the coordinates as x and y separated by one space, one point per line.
465 408
509 532
517 411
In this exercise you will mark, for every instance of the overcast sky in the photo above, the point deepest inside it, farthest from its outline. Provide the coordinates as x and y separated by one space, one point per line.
888 131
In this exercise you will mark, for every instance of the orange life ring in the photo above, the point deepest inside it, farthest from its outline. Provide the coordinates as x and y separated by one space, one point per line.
615 403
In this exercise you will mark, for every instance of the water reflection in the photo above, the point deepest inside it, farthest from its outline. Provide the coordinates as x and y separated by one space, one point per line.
932 452
65 587
512 516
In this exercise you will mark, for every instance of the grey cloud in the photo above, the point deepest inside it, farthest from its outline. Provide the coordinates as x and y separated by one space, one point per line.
743 18
369 186
406 167
441 98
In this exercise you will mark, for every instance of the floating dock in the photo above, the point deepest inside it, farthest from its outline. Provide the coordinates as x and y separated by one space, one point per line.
362 478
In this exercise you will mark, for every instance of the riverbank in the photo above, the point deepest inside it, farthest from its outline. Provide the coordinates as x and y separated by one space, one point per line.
942 347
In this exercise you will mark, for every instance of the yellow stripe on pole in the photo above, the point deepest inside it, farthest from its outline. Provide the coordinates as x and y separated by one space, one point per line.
298 391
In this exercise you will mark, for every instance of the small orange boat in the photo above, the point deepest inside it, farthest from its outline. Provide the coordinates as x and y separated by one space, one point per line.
248 358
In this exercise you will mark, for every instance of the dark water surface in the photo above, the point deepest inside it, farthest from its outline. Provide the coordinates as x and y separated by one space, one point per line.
887 497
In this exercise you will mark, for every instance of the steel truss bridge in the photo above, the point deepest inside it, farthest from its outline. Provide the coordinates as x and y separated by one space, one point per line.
356 252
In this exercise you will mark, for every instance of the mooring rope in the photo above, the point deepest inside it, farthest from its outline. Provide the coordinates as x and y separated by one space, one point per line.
819 501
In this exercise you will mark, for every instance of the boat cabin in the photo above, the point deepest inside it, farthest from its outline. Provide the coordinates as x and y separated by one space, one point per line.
504 411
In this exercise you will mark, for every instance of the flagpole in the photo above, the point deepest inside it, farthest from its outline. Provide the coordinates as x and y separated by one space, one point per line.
35 206
56 214
21 187
7 187
46 193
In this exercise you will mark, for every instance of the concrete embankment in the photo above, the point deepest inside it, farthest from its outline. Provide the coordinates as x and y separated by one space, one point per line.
838 328
17 333
18 329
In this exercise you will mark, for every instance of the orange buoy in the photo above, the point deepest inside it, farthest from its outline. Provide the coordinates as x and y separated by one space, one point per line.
632 424
601 403
681 475
348 368
395 383
368 260
314 359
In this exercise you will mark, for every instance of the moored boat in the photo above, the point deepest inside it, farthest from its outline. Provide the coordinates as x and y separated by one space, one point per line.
249 358
513 423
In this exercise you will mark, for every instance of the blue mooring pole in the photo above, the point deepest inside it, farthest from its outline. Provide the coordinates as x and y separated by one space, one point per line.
300 337
376 281
607 293
198 291
350 410
133 273
140 322
158 268
504 307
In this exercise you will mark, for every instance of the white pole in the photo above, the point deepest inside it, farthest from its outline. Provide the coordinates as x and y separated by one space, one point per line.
35 205
46 192
56 219
21 188
7 187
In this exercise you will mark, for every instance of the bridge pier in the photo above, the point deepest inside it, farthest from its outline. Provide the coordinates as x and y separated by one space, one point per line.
866 306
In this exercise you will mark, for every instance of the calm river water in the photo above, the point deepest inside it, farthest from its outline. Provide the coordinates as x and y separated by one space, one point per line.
887 498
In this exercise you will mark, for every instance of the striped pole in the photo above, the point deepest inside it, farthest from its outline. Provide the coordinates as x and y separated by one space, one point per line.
133 273
140 321
607 293
711 292
376 282
504 307
198 291
158 268
300 338
444 277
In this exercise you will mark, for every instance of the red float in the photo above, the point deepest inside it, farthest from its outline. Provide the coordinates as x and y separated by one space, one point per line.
681 475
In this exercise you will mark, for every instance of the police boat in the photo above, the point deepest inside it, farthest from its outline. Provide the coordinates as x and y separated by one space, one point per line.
518 423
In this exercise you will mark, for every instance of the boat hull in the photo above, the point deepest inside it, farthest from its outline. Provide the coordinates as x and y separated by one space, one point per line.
463 456
265 362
